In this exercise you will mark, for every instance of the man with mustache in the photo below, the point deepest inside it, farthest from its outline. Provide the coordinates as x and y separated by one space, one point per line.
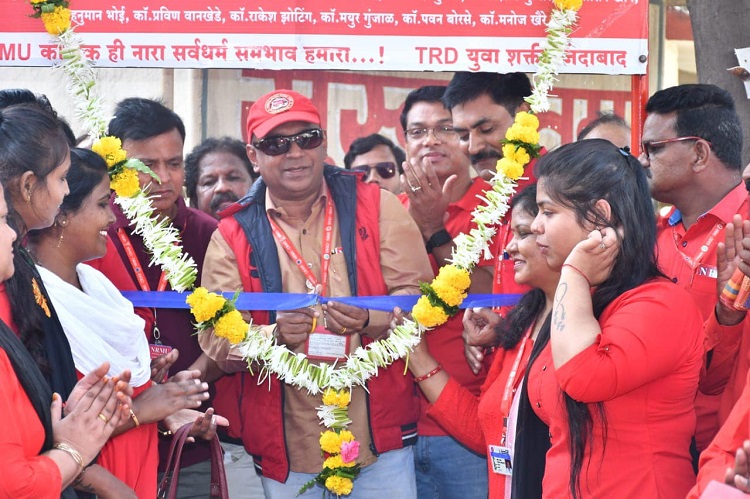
217 174
155 134
484 106
440 194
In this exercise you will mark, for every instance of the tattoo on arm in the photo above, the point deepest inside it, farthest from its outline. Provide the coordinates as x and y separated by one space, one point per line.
558 311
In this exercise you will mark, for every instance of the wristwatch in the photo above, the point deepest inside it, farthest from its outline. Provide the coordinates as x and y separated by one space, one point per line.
439 238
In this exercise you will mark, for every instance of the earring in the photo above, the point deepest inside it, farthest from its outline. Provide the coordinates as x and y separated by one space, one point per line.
63 224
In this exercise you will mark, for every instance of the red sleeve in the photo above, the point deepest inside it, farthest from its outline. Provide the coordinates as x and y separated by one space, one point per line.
719 455
457 411
24 473
647 333
724 344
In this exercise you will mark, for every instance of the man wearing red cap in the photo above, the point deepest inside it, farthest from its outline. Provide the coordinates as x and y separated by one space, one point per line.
310 227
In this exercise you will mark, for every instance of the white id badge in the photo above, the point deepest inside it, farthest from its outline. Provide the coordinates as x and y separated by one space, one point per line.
501 460
326 346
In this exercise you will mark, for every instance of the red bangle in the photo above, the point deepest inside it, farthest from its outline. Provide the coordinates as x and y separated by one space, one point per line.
430 374
577 271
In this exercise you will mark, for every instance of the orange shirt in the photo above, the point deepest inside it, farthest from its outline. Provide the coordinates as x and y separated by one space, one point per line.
24 472
644 367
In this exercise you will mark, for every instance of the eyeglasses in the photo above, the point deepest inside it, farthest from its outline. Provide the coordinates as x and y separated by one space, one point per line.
442 132
650 147
275 146
386 169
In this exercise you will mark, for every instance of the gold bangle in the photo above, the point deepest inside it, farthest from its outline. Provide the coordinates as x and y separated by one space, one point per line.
73 453
164 433
135 419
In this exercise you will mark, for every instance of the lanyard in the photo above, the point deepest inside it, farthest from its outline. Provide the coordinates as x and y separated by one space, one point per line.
136 264
296 256
510 385
693 262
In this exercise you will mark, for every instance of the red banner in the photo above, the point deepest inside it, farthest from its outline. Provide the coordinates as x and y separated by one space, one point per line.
437 35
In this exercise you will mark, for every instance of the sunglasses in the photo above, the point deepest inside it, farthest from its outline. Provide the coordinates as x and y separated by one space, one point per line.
386 169
275 146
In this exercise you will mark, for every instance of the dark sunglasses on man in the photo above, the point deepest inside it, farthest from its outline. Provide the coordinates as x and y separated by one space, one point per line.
386 169
280 144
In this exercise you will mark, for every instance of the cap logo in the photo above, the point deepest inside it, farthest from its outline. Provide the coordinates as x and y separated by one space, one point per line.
278 103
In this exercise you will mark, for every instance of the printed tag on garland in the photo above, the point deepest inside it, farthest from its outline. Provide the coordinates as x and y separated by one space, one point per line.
327 346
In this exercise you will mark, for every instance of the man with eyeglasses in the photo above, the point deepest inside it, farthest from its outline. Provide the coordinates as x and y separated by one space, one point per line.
692 152
440 194
379 159
155 134
310 227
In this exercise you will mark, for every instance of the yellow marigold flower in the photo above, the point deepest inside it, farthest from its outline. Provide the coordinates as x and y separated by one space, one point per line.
338 398
231 326
346 436
110 148
450 295
333 462
427 315
510 168
34 2
57 21
339 485
457 277
516 153
330 442
522 134
527 119
568 4
125 183
204 305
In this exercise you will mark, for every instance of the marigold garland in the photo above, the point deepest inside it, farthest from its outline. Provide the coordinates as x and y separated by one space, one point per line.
161 239
440 299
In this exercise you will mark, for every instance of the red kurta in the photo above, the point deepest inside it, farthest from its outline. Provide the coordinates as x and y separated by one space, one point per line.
133 456
23 472
644 366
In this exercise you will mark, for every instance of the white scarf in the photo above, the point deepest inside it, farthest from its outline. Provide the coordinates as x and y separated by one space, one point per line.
100 324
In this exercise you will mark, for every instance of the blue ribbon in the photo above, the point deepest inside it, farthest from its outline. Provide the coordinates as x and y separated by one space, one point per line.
291 301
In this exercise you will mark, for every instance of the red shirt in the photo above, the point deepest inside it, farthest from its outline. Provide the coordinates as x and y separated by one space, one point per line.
24 472
644 367
478 421
446 342
719 455
682 259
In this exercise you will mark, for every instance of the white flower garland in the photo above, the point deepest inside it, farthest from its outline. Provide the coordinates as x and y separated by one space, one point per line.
160 238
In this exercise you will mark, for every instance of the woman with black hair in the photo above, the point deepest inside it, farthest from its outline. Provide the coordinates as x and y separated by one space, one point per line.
100 324
40 454
617 382
487 424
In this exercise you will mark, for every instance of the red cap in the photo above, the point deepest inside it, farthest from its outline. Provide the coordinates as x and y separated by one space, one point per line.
279 107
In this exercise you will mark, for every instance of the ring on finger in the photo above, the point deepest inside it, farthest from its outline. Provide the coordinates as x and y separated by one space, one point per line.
343 331
603 246
415 189
103 418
